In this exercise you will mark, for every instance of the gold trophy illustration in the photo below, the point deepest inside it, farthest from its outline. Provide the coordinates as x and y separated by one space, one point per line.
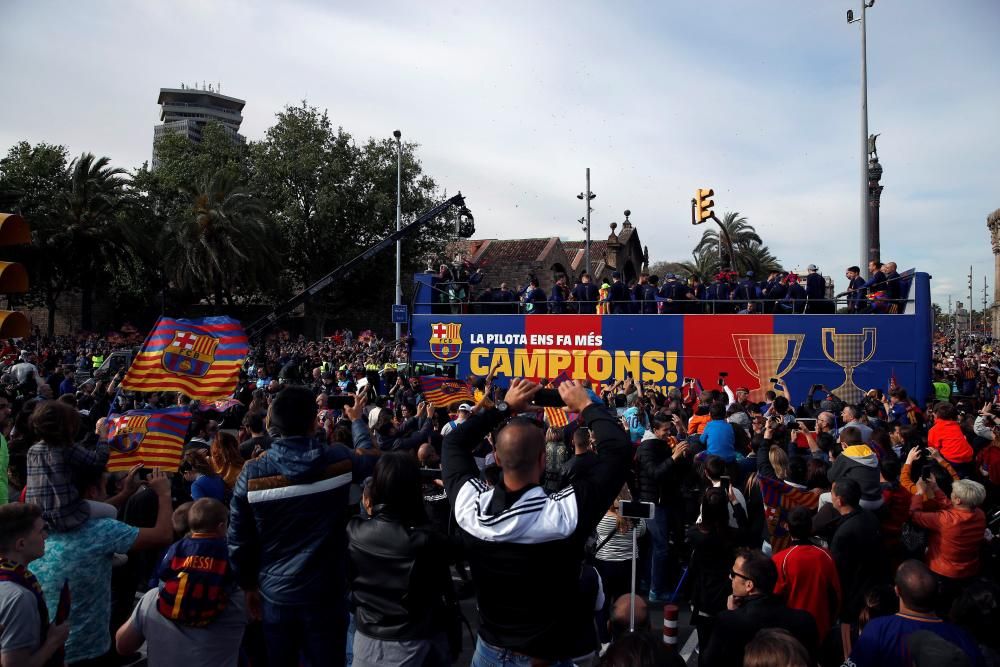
762 356
849 353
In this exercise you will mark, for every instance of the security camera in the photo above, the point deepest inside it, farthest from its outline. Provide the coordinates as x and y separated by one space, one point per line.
397 134
850 15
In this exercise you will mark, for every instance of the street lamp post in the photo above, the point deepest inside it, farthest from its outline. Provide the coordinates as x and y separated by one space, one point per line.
866 230
399 218
588 197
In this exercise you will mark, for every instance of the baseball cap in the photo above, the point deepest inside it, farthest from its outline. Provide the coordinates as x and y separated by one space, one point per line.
740 419
812 267
466 407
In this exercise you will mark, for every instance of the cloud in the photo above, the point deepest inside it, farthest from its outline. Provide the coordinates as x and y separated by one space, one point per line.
511 102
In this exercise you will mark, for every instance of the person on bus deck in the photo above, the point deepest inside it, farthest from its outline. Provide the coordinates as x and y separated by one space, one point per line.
649 292
619 297
585 295
815 291
855 290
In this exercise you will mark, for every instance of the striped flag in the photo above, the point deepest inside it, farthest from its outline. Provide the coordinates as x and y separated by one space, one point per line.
154 438
442 391
219 406
779 498
556 417
199 358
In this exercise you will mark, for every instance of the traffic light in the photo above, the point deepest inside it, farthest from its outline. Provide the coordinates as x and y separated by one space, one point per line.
703 205
13 277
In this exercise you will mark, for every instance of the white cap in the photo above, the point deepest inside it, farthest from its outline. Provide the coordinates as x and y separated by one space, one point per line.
466 407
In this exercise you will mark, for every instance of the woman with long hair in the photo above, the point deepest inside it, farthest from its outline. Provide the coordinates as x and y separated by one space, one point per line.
713 545
398 568
614 555
226 459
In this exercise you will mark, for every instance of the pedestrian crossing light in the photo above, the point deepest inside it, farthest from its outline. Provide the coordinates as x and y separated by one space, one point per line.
703 205
13 277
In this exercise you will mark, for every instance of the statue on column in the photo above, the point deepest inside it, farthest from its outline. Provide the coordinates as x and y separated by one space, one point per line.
874 197
993 224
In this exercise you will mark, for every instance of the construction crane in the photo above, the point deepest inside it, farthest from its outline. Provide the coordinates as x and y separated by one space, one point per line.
464 228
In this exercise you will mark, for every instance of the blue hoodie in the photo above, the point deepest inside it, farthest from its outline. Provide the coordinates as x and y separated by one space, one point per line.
719 439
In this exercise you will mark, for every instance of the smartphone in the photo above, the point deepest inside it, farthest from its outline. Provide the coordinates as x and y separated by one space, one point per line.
688 380
143 474
548 398
633 509
338 401
725 482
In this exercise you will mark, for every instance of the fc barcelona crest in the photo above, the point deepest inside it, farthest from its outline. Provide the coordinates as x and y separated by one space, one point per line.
128 433
190 353
446 340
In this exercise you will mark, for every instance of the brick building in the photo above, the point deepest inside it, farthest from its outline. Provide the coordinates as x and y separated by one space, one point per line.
513 260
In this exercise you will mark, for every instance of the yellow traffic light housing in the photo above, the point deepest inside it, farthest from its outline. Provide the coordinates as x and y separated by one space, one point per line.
703 205
13 277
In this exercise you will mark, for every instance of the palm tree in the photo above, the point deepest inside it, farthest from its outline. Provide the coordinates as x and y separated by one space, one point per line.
734 232
756 257
87 236
219 240
704 265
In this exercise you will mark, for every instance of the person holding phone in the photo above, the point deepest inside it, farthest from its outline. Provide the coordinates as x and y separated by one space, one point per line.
511 528
661 463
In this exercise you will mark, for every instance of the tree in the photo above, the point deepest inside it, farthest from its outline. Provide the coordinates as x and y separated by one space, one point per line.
735 231
88 212
32 183
703 265
661 269
220 240
331 200
756 257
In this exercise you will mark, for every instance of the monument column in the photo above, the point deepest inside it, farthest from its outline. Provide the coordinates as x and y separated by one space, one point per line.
993 224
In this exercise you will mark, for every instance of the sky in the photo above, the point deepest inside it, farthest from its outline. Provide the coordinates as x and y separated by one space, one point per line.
511 102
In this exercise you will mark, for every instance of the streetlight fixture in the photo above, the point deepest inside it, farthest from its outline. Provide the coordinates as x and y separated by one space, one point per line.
866 229
399 218
588 197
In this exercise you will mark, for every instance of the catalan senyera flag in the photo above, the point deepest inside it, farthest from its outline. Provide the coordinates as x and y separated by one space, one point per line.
154 438
442 392
556 417
780 497
199 358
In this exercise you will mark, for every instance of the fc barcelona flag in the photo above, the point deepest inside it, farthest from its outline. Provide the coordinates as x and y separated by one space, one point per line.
779 498
442 392
199 358
556 417
154 438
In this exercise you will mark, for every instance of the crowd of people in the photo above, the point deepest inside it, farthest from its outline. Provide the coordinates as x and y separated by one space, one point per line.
331 515
781 292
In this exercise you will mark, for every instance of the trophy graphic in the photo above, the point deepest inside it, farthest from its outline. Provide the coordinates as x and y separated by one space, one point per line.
766 353
849 353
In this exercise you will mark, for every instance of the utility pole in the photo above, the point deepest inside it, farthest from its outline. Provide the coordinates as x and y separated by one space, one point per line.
588 197
970 302
865 220
399 218
984 305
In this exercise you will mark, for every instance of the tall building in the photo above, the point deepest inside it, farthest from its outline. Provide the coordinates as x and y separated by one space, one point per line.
187 110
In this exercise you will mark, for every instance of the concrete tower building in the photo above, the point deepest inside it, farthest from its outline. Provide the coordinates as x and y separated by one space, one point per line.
187 110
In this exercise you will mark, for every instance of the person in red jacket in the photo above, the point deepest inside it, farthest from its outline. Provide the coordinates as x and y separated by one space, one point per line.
956 528
947 437
807 575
